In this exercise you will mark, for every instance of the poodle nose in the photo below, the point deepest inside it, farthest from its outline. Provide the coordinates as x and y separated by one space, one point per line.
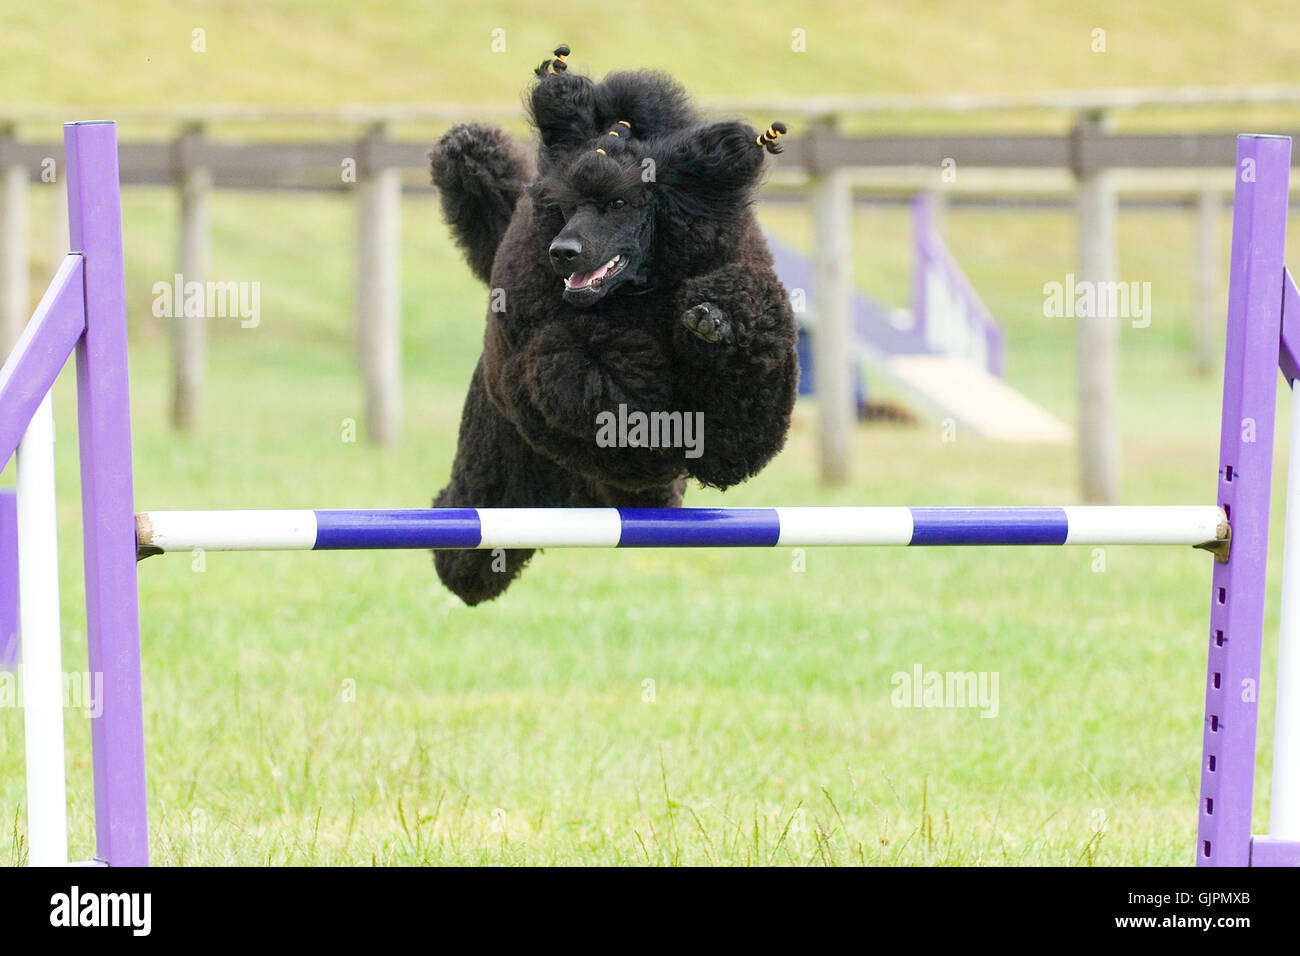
565 249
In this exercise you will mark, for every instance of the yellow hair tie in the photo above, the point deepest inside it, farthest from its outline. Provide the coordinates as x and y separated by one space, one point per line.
613 132
625 123
768 140
556 66
601 151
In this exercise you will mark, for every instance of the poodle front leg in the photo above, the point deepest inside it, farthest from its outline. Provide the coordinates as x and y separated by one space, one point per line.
480 173
736 367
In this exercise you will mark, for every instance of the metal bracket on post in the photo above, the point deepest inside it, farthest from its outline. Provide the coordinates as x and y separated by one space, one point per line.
1221 546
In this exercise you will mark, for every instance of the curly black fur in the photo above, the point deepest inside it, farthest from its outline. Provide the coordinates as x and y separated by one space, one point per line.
698 323
480 173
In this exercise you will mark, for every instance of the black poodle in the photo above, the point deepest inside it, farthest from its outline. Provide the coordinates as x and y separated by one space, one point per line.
629 283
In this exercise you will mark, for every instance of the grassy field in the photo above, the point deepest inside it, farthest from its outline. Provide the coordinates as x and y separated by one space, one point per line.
693 707
327 51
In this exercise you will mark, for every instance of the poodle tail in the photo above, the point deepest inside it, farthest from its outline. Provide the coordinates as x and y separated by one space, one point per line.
480 173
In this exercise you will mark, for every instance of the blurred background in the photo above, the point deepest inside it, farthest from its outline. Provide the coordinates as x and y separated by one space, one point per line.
708 706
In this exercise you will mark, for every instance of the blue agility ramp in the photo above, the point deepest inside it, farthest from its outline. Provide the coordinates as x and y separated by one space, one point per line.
944 352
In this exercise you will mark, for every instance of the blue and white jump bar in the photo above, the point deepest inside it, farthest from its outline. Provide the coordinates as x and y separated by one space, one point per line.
162 531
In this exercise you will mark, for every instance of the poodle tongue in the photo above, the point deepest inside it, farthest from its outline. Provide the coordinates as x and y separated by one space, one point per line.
580 279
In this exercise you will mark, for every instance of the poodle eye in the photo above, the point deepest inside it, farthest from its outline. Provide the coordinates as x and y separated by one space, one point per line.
616 204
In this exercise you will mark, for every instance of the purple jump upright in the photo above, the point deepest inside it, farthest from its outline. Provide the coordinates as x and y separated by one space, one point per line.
107 495
84 313
1251 360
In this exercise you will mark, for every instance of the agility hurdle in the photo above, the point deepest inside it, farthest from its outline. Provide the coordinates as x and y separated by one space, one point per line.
84 313
157 532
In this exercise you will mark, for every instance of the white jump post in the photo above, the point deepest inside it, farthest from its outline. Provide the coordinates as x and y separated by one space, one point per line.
40 643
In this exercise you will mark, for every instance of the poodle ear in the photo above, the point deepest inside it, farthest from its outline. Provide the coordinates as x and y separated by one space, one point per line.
712 167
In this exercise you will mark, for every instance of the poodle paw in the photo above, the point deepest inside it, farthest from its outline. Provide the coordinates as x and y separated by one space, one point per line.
707 323
472 157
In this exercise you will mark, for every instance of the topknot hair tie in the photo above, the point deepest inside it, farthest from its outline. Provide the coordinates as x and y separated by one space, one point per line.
557 65
768 140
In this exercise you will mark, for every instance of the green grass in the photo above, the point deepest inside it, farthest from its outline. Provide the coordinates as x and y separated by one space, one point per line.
330 52
692 707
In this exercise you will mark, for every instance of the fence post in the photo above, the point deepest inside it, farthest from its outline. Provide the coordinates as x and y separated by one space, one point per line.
1205 309
833 354
1095 336
937 199
14 291
379 288
189 333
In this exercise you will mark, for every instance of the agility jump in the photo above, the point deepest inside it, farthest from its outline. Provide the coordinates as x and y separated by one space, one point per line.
84 313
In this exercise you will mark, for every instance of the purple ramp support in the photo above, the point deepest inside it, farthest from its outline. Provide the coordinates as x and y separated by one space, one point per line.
871 319
922 215
1244 486
104 431
8 579
931 255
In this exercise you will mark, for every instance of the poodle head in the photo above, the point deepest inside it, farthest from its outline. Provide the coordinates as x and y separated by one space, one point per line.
626 160
605 217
